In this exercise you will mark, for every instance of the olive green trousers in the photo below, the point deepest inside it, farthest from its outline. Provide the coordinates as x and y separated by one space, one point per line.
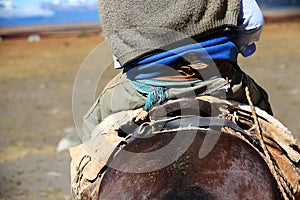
119 95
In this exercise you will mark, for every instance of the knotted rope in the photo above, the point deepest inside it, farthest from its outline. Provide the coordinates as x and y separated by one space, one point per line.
156 90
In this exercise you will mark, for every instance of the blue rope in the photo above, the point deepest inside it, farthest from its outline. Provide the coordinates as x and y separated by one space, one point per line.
156 89
155 97
155 94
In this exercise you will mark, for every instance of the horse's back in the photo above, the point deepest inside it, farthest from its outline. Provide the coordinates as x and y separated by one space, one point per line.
231 170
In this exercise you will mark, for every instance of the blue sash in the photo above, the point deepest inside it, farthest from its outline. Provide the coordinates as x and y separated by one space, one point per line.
162 64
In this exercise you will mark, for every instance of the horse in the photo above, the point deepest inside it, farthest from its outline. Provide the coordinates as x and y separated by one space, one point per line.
194 148
232 169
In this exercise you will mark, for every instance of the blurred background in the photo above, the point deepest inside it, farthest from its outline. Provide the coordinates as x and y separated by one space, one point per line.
43 44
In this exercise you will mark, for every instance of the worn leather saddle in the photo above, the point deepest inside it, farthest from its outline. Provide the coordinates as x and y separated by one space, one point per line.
261 131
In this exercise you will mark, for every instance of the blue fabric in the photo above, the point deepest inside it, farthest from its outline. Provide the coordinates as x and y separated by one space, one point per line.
162 64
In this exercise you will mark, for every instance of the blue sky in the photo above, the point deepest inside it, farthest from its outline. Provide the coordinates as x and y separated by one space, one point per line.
39 8
47 8
34 12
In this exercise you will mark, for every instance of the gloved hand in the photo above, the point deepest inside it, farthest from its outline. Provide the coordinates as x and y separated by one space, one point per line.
249 27
249 50
245 40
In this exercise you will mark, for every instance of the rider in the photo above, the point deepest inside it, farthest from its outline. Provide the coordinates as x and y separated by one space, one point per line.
169 49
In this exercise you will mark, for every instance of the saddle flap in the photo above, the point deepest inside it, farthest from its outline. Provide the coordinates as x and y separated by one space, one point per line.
83 163
283 140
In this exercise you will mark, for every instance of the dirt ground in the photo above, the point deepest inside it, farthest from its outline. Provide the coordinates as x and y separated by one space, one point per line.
36 81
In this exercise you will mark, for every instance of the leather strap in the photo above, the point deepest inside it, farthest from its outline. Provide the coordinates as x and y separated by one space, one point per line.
171 123
201 71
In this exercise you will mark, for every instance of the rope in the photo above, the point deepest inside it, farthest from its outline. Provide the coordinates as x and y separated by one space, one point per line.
258 133
155 97
156 90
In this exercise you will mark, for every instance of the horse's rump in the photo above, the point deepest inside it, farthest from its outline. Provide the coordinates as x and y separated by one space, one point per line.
231 170
246 160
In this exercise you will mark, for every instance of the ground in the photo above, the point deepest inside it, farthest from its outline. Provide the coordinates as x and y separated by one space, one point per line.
36 81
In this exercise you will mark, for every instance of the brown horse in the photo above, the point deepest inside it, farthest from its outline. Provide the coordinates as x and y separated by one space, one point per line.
231 170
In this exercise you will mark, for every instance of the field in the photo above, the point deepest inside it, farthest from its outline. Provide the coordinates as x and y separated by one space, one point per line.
36 81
